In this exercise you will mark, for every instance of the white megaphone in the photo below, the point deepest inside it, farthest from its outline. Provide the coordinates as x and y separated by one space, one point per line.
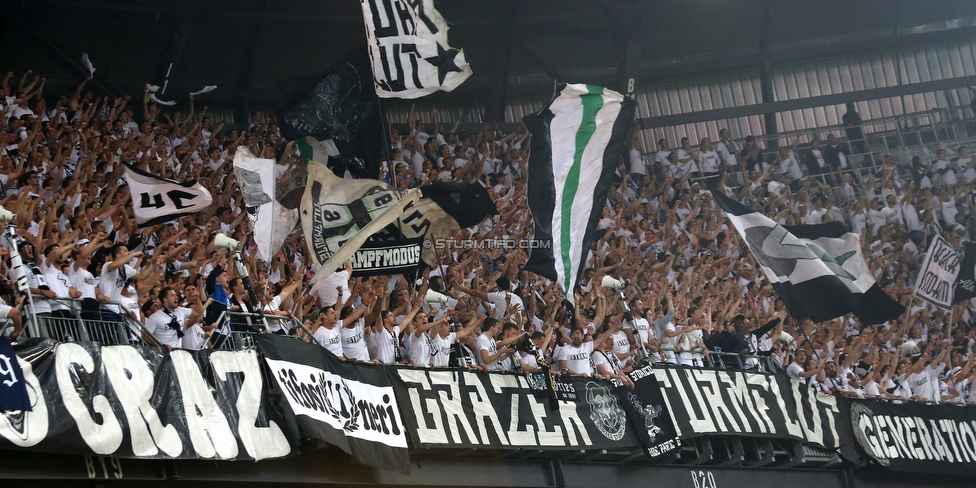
786 338
221 241
6 216
612 283
434 297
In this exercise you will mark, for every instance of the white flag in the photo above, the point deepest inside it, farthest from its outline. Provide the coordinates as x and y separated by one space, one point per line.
409 49
152 88
88 64
936 280
156 200
152 97
270 221
206 89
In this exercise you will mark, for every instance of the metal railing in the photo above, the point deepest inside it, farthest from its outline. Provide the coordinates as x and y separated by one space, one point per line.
902 137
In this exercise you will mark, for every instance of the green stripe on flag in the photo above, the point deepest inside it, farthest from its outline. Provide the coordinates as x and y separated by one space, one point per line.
592 102
305 149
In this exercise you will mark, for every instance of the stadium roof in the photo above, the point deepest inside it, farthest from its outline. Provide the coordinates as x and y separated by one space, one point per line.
246 46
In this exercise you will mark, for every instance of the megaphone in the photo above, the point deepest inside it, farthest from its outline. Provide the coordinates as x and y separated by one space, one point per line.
612 283
6 216
910 348
434 297
221 241
786 338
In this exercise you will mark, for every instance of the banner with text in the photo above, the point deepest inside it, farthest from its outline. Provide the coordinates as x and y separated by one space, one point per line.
448 408
916 438
707 402
351 406
936 280
142 402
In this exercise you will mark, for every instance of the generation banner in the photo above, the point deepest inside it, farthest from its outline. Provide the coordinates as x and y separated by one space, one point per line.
450 409
351 406
708 402
916 438
143 402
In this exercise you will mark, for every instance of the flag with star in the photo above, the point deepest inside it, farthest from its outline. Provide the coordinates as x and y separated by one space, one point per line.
817 270
409 48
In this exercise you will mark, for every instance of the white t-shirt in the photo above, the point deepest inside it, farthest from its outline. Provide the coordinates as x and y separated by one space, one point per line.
82 281
194 338
497 298
485 343
420 349
441 349
577 358
111 282
384 345
158 324
325 289
330 338
353 343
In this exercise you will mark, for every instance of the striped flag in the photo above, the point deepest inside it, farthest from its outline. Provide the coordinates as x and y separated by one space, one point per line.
817 270
577 143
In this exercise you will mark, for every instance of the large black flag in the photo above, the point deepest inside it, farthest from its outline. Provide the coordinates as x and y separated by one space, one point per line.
966 283
337 103
817 270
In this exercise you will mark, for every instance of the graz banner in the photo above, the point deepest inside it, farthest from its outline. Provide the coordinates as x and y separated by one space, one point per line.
142 402
706 402
446 409
351 406
916 438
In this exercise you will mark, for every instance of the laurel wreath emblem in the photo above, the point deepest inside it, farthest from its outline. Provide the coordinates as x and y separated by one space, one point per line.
352 424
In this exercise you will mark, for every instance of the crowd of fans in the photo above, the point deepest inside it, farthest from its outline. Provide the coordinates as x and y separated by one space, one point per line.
692 294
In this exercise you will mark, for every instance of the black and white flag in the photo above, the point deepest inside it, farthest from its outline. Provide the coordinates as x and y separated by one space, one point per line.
818 270
156 200
577 141
408 44
966 281
271 222
936 280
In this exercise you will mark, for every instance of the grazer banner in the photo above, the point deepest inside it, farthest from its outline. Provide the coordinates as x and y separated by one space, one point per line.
143 402
936 280
450 408
351 406
707 402
915 438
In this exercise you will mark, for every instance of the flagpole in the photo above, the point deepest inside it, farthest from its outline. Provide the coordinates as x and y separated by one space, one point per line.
386 142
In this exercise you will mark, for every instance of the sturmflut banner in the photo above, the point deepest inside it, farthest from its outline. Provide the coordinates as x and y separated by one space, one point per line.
142 402
936 280
709 402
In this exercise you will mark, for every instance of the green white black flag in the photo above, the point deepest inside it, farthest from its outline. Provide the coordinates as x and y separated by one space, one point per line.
577 140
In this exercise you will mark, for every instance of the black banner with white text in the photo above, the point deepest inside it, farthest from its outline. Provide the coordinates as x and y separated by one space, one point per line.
143 402
708 402
445 409
916 438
